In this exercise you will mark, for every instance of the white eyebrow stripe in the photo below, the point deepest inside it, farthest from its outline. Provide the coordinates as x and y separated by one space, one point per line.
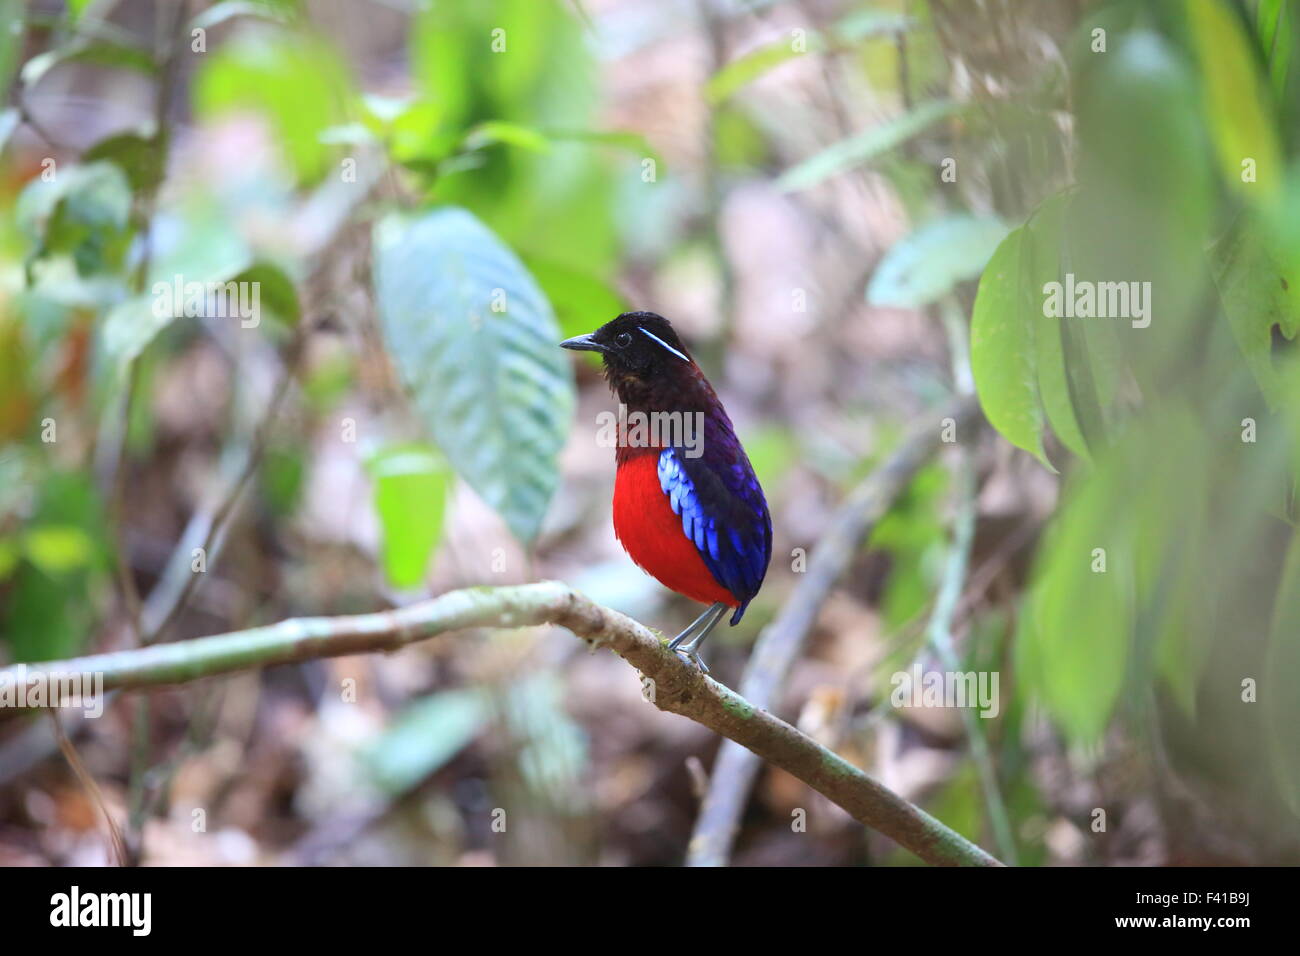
664 344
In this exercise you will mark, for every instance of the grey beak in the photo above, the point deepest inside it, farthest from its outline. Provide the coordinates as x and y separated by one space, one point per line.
583 343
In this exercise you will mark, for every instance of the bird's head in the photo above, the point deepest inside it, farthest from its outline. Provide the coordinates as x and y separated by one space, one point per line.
638 348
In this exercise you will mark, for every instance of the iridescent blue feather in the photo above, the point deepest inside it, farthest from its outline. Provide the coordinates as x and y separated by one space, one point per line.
723 511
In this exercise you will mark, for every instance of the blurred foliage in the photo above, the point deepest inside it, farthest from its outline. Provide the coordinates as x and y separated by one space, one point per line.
430 223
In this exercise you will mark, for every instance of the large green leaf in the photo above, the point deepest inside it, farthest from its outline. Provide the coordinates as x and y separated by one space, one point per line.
491 387
1033 368
925 266
1002 350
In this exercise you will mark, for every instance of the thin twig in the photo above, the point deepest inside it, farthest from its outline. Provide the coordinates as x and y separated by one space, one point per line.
948 598
940 639
169 40
28 118
87 781
672 685
217 525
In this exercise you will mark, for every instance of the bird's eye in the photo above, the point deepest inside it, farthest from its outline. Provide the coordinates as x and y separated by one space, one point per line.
623 340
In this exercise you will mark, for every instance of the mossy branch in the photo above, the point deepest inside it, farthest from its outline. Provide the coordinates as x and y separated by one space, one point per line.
672 685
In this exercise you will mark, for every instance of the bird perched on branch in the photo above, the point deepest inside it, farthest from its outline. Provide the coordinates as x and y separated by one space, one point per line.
687 506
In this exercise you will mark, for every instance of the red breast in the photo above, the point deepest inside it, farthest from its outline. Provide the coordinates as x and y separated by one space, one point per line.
652 534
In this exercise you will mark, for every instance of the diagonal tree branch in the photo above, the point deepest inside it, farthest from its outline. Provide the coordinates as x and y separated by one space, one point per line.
781 642
672 686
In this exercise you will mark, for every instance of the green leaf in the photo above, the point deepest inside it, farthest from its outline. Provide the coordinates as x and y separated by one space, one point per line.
50 607
1281 705
58 548
198 242
127 331
1002 349
84 50
1176 546
1073 647
864 24
1258 291
865 146
97 194
552 746
1272 23
425 736
411 488
738 143
10 555
44 618
83 211
281 478
137 156
476 343
914 533
1237 101
11 41
134 323
744 70
523 61
275 291
512 134
925 266
1044 234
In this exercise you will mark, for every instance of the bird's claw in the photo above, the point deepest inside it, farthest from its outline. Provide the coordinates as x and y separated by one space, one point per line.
691 655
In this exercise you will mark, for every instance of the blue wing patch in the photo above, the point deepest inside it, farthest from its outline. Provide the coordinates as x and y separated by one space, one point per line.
725 515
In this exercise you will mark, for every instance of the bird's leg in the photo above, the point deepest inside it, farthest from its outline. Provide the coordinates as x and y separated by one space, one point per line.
697 630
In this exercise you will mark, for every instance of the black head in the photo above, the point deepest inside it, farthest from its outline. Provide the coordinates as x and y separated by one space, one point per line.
636 346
